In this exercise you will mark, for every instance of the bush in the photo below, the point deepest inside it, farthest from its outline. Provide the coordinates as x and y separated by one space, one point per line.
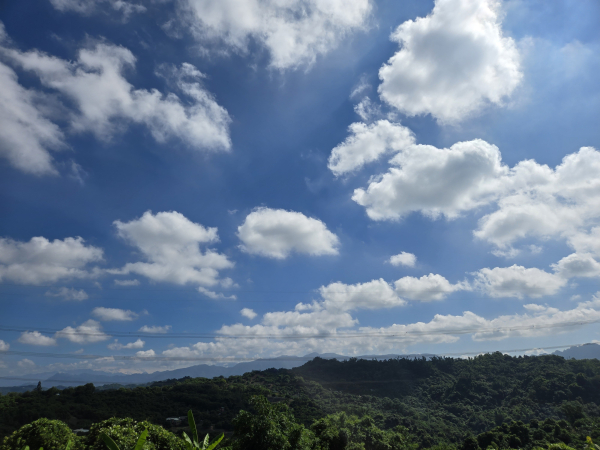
49 434
125 433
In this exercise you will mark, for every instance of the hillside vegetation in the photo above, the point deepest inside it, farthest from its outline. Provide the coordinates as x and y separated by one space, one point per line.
491 400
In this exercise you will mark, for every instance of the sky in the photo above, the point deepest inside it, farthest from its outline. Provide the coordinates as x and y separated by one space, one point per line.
211 181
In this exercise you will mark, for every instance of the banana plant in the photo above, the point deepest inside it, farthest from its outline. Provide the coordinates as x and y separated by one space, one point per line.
112 445
194 443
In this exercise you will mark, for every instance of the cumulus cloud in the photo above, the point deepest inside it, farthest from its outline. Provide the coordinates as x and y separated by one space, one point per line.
452 62
517 281
170 245
403 259
374 294
529 200
248 313
68 293
275 233
319 330
435 181
155 329
27 135
427 288
42 261
4 346
106 101
36 338
109 314
577 265
215 295
294 32
116 345
88 332
146 353
368 143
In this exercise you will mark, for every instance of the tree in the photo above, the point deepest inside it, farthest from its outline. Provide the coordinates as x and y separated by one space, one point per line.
272 428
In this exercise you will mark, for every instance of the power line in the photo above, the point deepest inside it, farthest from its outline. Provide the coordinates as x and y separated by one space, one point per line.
399 334
238 359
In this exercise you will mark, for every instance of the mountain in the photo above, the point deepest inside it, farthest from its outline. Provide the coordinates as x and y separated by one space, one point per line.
585 351
99 378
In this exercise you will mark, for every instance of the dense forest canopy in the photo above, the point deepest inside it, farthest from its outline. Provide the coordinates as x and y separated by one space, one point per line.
491 400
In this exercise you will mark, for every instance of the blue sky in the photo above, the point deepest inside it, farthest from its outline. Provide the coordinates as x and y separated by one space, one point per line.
287 177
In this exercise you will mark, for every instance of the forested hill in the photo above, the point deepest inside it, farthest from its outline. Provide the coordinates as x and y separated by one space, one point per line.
437 400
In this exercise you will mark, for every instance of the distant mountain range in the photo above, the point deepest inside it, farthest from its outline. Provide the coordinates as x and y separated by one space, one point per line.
585 351
100 378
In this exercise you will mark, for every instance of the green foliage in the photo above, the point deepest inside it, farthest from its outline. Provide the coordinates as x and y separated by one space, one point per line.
341 432
49 434
126 433
272 427
194 442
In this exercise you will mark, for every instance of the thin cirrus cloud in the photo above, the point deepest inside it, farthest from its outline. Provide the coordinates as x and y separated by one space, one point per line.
105 103
112 314
116 345
155 329
68 294
88 7
170 244
276 233
40 261
452 62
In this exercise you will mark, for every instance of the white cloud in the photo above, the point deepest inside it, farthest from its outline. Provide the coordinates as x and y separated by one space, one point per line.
276 233
42 261
452 62
26 135
26 364
517 281
368 143
435 181
294 32
427 288
89 331
4 346
248 313
131 345
374 294
146 353
577 265
544 203
88 7
321 332
108 314
107 102
155 329
404 259
68 294
36 338
170 244
127 282
215 295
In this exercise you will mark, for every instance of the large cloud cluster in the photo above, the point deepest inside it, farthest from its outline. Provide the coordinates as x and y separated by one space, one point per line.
104 104
451 62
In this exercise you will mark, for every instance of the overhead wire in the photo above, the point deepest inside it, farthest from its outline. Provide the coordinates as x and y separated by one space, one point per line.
398 334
